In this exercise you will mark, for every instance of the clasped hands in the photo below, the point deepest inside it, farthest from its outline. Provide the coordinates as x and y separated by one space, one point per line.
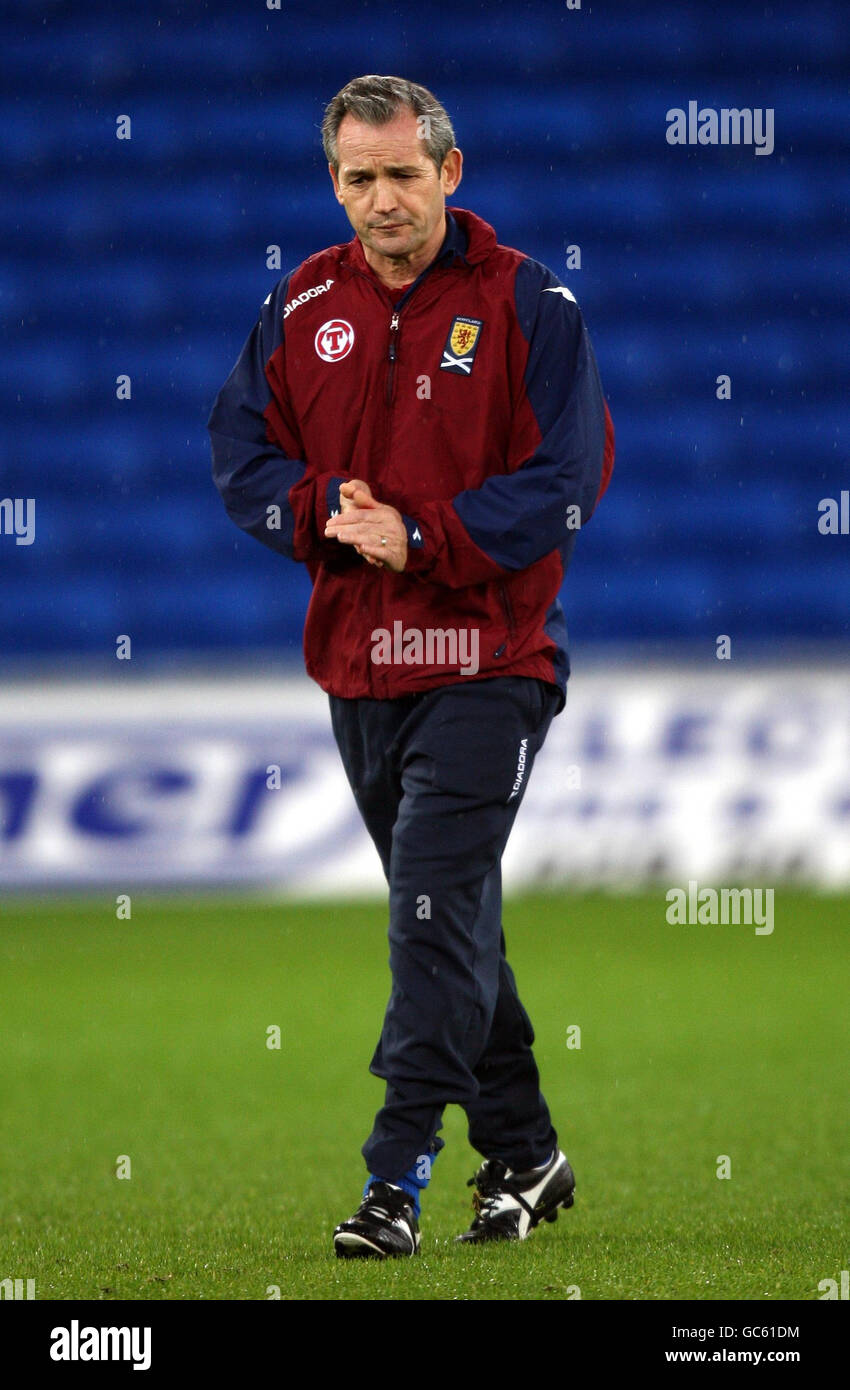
376 531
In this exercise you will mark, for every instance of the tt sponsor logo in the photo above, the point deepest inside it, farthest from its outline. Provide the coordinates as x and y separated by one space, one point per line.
334 340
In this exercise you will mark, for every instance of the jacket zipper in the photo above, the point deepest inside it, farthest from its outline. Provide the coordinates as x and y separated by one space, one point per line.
393 354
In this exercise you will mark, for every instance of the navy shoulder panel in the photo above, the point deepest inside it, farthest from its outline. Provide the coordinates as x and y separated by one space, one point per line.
536 290
271 316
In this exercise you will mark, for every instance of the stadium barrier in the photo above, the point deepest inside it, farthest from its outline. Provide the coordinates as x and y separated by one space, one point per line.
650 775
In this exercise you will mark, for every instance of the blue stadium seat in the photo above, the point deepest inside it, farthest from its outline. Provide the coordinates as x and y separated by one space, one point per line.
148 257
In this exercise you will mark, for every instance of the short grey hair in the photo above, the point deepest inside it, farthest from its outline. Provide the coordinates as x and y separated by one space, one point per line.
376 100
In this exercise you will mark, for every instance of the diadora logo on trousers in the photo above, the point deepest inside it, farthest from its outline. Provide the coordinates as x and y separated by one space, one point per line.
303 298
522 759
334 340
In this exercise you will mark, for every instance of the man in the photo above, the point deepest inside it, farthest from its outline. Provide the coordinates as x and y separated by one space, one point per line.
418 418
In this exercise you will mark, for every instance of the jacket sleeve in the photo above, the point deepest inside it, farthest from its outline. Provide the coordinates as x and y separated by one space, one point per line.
258 460
559 458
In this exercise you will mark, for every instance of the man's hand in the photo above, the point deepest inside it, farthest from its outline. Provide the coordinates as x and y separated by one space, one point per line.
376 531
347 491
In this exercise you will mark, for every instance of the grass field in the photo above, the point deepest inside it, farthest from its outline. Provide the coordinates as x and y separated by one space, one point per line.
147 1038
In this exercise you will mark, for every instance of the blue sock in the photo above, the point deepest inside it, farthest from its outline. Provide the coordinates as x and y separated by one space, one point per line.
414 1181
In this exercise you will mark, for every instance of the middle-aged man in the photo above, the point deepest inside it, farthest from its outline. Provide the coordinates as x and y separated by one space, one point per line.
417 417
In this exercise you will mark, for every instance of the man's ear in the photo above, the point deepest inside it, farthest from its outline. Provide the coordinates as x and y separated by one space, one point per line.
452 171
335 182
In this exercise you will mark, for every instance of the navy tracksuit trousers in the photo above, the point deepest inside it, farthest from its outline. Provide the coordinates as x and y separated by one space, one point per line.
438 778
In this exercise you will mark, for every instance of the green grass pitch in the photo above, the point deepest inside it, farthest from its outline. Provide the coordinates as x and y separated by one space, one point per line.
147 1038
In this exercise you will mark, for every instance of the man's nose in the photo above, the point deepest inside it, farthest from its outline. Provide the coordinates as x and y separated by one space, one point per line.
384 195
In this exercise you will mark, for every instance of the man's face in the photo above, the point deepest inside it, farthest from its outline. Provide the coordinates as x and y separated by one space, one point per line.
392 193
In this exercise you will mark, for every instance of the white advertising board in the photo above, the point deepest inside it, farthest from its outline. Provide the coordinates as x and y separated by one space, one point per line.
648 775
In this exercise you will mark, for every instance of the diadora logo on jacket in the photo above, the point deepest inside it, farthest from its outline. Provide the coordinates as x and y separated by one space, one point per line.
334 340
313 293
461 345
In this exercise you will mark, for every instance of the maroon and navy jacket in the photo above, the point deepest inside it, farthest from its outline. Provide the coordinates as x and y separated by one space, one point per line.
472 404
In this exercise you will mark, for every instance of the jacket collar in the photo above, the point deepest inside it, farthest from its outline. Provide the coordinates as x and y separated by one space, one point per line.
468 238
